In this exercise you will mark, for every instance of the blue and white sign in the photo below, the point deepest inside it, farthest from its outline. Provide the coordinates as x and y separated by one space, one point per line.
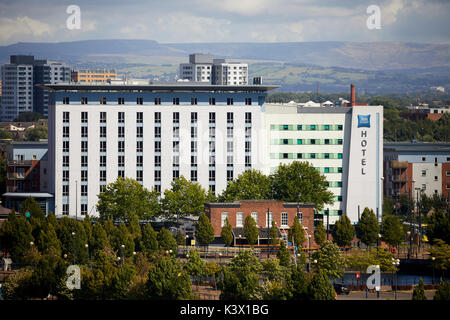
364 121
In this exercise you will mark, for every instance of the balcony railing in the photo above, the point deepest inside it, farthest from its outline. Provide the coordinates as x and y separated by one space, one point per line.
16 176
20 162
399 164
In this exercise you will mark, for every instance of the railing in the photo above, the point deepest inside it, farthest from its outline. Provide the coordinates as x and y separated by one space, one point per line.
20 162
16 176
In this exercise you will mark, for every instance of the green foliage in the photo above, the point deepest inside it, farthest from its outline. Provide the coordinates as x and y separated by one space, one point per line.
204 231
166 240
283 255
180 238
250 230
274 234
360 260
17 286
33 207
249 185
98 240
122 281
320 233
168 281
343 232
47 276
149 242
47 240
438 227
72 245
227 233
296 233
195 265
329 260
443 292
298 284
441 252
320 287
419 291
36 133
16 236
367 229
123 237
28 116
183 199
392 231
126 198
291 179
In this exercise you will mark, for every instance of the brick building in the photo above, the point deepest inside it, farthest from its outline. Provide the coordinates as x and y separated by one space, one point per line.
283 213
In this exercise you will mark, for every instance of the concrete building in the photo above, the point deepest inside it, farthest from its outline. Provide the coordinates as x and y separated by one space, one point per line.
263 212
92 76
204 68
345 144
411 167
19 78
152 133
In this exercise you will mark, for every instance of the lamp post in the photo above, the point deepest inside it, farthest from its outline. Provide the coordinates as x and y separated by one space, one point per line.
418 211
395 263
432 259
268 233
328 222
378 241
240 237
74 248
121 252
87 249
409 238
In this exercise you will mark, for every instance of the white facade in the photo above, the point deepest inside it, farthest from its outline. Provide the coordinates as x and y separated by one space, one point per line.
329 139
427 177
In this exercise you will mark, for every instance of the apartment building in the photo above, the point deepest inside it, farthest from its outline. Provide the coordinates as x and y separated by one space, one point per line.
92 76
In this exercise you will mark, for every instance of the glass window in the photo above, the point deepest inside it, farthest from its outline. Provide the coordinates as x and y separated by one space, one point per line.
224 216
284 219
255 217
239 219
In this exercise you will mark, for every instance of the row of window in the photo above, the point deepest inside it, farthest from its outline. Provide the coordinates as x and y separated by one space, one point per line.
157 101
306 127
239 218
306 156
306 141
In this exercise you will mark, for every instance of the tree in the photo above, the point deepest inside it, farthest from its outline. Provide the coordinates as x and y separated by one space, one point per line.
250 230
125 238
392 231
195 265
438 227
441 252
343 232
168 281
204 231
298 285
28 116
301 177
227 233
47 239
183 199
125 198
122 281
296 233
73 239
274 234
320 234
419 291
180 238
320 287
17 285
36 133
283 255
16 236
443 292
329 260
367 229
149 242
249 185
166 240
47 275
31 205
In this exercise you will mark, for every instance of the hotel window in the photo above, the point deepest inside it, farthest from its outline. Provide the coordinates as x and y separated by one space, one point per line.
176 132
193 117
66 100
212 146
121 132
424 173
339 198
339 169
103 100
65 175
248 162
212 175
248 101
313 141
65 132
327 141
158 102
139 132
139 161
121 174
120 101
193 175
269 221
65 190
139 146
102 161
239 219
255 217
339 155
193 101
212 117
229 175
121 117
176 146
84 146
193 161
212 101
300 217
248 146
248 132
175 174
65 161
339 141
229 101
284 219
212 161
139 175
340 127
121 146
157 132
230 132
327 156
102 117
285 141
176 101
193 132
65 209
223 218
157 146
121 161
248 117
84 132
102 188
102 146
102 175
285 156
326 170
157 161
299 127
157 175
139 100
84 161
65 146
230 117
83 209
327 127
139 117
84 175
339 184
84 100
84 190
84 117
312 155
312 127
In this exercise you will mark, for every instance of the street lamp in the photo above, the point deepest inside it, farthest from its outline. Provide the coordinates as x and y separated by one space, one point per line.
121 251
378 241
432 259
395 263
409 238
240 237
74 249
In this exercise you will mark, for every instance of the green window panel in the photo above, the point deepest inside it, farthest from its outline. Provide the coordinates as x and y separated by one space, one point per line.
339 141
299 155
326 127
299 127
326 170
299 141
339 170
339 155
327 141
312 127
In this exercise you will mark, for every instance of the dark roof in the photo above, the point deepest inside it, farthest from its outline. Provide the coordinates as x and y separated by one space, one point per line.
263 233
156 87
237 204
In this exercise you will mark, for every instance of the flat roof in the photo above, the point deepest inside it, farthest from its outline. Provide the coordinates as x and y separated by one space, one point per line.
417 146
181 86
28 194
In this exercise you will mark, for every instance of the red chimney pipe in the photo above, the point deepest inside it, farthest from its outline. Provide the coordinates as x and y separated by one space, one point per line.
353 96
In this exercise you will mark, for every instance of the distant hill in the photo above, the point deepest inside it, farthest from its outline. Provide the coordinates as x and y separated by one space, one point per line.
359 55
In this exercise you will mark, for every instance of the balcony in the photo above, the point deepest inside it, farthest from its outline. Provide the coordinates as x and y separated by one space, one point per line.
400 179
20 162
395 164
16 176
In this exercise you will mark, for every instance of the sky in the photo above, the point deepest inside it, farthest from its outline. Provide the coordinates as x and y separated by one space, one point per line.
172 21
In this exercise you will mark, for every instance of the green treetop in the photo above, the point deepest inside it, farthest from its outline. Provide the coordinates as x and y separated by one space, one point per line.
227 233
392 232
367 229
250 230
320 233
329 260
296 233
343 232
249 185
204 231
419 291
283 255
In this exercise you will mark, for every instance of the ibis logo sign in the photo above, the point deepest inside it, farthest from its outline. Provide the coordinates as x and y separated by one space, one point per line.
364 121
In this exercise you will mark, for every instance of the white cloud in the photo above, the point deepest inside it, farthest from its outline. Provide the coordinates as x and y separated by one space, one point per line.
23 27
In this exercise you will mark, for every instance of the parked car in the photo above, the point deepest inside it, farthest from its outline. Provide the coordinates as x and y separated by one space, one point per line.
340 288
